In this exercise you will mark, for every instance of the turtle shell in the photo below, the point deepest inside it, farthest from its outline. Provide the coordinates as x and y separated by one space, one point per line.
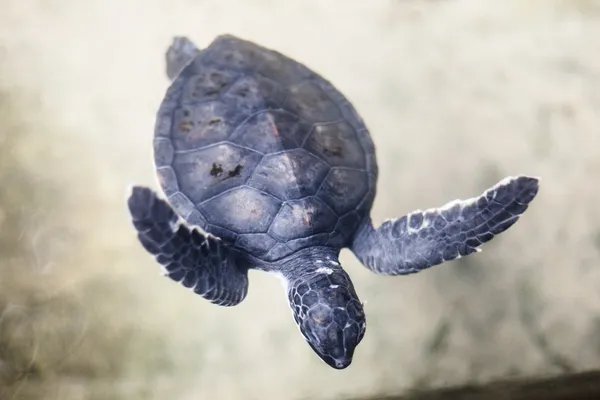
257 149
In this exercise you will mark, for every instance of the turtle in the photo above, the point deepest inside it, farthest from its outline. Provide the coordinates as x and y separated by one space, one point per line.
264 165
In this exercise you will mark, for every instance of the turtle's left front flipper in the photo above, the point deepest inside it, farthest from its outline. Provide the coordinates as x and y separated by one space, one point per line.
197 261
180 53
423 239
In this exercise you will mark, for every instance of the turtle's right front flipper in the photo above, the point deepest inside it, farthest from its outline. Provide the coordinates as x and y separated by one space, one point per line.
423 239
197 261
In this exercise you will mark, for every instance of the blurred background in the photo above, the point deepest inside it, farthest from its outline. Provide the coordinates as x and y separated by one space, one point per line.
457 94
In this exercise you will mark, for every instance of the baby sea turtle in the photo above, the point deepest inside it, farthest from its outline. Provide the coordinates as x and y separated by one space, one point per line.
278 171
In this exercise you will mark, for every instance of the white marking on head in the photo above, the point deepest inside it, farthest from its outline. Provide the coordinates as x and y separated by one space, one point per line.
324 270
334 286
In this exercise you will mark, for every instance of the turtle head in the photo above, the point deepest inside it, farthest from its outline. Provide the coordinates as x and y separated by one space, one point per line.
328 313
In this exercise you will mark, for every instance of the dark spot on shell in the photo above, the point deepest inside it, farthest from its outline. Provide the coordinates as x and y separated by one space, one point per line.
218 81
215 121
216 170
335 151
186 126
243 91
235 172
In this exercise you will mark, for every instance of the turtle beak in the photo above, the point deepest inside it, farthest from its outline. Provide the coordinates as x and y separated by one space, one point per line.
338 363
341 363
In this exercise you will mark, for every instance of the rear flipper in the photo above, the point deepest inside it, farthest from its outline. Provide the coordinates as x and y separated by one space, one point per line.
199 262
423 239
181 52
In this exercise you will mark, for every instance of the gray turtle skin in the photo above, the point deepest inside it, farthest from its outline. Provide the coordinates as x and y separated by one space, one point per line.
266 166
